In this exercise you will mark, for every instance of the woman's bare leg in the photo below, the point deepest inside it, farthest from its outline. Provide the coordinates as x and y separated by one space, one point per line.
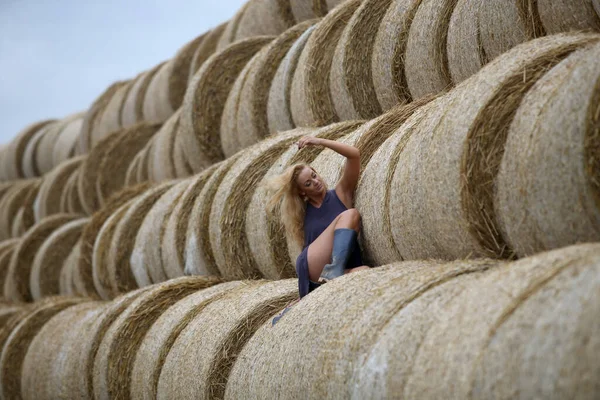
319 252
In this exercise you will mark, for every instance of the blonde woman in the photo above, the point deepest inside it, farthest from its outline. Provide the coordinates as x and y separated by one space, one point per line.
323 221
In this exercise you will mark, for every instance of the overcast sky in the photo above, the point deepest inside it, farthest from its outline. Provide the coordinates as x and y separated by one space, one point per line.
57 56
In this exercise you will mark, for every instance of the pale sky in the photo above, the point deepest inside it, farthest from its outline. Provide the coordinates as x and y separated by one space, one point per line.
57 56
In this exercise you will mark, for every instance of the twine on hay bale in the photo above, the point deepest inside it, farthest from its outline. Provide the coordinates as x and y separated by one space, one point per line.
157 106
199 257
252 121
351 82
229 29
120 275
303 10
64 148
13 159
310 98
205 99
110 120
112 169
129 111
160 155
279 114
116 355
16 285
264 230
206 49
51 189
47 366
426 59
44 278
10 203
555 129
465 51
503 26
175 229
16 345
159 339
228 239
389 78
264 17
469 126
340 332
180 73
146 258
210 343
572 15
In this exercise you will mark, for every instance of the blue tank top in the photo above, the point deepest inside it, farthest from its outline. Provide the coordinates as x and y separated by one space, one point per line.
316 220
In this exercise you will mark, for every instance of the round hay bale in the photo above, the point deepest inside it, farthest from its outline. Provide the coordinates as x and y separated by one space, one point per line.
17 228
180 72
351 81
146 259
69 200
157 342
93 116
228 240
16 285
279 113
12 201
465 51
303 10
204 101
120 275
264 231
206 49
252 120
388 66
144 173
161 156
88 175
44 278
116 355
340 333
157 106
111 172
51 189
25 218
64 148
7 247
45 368
426 59
13 159
29 162
176 228
596 4
183 168
311 101
264 17
129 112
229 28
555 129
503 26
70 283
132 170
7 312
16 345
568 15
226 324
110 119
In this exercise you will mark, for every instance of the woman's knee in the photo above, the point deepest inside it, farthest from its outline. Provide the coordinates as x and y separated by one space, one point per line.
353 216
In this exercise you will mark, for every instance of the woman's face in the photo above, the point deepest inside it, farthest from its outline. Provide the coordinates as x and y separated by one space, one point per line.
309 183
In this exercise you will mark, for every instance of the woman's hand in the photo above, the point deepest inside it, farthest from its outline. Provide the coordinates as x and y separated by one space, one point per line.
308 141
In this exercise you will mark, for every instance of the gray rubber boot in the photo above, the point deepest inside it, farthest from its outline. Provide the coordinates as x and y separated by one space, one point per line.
343 244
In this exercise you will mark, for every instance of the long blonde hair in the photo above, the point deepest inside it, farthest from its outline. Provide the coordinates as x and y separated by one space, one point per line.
285 195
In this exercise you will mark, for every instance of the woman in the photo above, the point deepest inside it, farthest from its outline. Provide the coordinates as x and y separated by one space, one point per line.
320 219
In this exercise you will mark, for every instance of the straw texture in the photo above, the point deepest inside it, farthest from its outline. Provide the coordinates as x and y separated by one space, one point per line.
157 106
51 189
29 163
110 119
206 49
160 155
465 51
264 17
129 113
64 148
566 15
304 10
12 162
180 72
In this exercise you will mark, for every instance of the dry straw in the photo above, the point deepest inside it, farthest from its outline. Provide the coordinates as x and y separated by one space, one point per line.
91 231
160 156
279 114
204 101
46 370
7 312
199 257
16 345
116 355
48 200
180 72
71 283
10 203
211 342
264 230
465 51
7 247
112 169
447 202
72 202
176 227
157 106
29 163
351 81
503 26
252 121
12 161
304 10
310 99
146 258
110 120
134 166
264 17
44 278
64 148
16 286
566 15
206 49
555 129
45 148
388 56
340 332
228 238
596 4
145 172
159 339
129 114
229 29
25 218
182 165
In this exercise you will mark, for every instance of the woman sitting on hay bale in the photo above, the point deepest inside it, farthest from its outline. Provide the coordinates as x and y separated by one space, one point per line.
323 220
